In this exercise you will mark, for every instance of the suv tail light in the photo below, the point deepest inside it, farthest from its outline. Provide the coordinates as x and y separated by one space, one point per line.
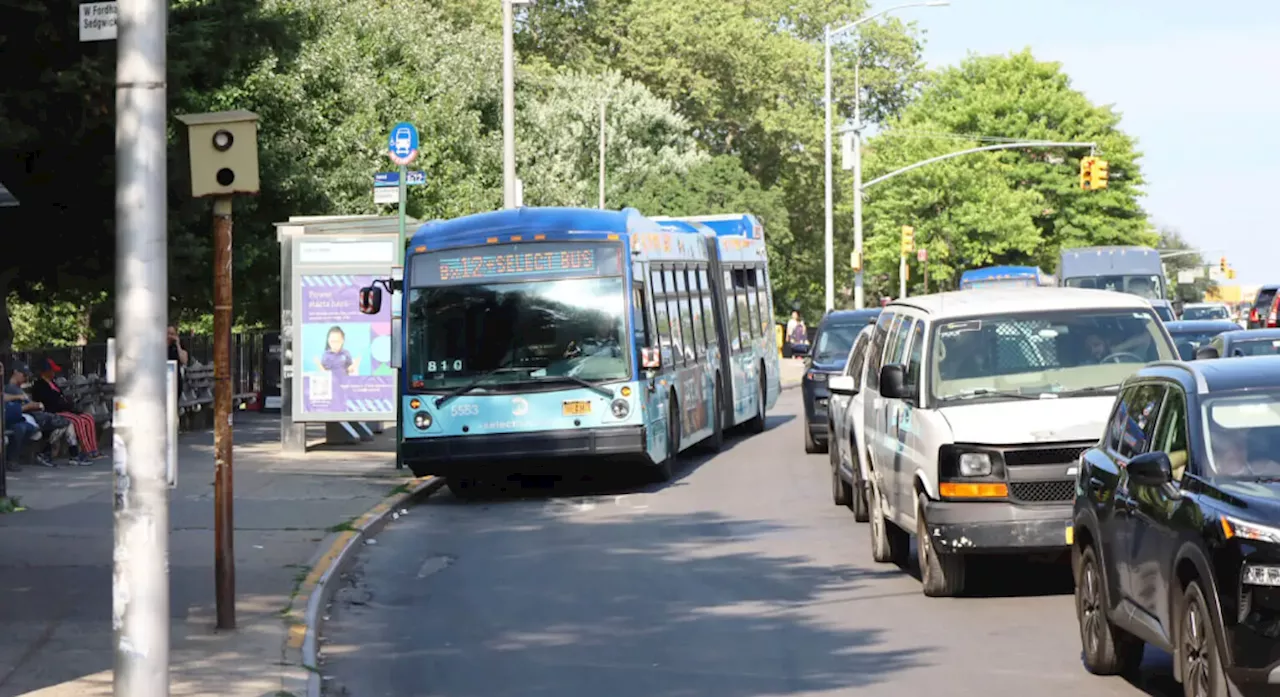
1275 311
1253 314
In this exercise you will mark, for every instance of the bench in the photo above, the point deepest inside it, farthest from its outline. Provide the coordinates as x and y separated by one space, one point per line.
195 404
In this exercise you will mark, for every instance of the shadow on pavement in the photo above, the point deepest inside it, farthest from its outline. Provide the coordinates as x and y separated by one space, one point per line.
546 601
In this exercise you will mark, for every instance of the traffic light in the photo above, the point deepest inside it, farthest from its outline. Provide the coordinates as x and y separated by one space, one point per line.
908 240
1231 274
1222 264
1086 172
1101 172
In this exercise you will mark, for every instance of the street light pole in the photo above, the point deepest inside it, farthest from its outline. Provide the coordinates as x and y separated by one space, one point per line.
857 156
508 106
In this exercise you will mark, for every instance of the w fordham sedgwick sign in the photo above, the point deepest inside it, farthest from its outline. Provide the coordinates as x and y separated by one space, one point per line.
97 21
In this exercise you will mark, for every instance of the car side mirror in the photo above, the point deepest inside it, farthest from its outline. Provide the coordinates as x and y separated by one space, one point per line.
370 300
1206 353
841 384
893 381
1186 351
1151 469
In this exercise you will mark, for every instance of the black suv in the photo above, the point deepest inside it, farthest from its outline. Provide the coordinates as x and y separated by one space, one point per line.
828 356
1176 533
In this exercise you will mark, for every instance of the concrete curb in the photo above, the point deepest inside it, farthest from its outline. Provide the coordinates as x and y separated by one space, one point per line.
302 645
790 385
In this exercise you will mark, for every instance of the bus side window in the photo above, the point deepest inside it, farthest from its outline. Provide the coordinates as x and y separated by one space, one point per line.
749 285
641 332
673 315
744 310
708 309
664 322
731 313
695 314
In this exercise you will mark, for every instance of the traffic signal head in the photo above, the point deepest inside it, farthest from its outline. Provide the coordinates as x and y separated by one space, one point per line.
908 239
1222 264
1086 172
1101 172
224 153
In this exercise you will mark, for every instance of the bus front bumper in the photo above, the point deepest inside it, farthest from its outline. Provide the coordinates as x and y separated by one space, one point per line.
453 454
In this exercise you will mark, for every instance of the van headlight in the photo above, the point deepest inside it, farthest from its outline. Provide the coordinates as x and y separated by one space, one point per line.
975 465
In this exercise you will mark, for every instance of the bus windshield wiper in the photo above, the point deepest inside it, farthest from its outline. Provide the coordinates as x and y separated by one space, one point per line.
576 380
985 392
475 383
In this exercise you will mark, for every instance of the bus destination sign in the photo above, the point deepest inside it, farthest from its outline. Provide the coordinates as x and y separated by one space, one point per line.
515 261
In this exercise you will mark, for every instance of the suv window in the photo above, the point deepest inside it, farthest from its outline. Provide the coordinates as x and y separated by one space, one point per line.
1134 419
875 358
857 357
1171 432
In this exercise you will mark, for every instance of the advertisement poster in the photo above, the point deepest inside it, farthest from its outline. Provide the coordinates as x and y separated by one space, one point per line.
345 356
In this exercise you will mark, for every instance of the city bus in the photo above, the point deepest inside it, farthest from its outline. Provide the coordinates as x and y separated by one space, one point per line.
536 335
1005 277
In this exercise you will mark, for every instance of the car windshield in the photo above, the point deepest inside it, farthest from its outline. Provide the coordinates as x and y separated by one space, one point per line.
1043 353
1195 337
1255 347
526 330
1141 285
1243 434
835 340
1206 312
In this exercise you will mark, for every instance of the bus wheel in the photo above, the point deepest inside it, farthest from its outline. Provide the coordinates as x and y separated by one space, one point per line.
665 470
715 441
756 424
463 488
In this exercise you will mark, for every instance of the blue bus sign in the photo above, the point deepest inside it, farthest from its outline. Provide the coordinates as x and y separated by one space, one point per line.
402 143
382 180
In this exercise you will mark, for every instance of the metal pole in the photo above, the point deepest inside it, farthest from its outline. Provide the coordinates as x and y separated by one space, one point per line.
859 299
223 487
404 187
508 107
4 449
828 240
602 143
140 576
902 276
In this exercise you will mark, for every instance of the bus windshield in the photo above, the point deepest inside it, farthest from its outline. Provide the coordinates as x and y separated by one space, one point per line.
519 331
1146 286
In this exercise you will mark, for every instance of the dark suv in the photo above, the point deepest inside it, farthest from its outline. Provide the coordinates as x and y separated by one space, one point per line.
1176 536
830 351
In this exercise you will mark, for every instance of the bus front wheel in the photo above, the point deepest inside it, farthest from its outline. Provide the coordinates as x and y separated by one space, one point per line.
665 470
756 424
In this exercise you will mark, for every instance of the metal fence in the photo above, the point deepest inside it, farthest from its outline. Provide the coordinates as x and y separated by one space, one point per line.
248 358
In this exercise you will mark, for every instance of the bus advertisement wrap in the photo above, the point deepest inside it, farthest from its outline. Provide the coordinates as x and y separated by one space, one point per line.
345 356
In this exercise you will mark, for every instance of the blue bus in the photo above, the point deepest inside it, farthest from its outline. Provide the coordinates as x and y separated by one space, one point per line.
542 334
1005 277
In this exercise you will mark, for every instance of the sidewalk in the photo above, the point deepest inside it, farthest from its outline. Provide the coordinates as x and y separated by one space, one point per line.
792 370
55 562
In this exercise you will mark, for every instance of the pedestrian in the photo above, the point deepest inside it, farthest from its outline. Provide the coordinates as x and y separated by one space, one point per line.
20 416
179 354
47 392
797 335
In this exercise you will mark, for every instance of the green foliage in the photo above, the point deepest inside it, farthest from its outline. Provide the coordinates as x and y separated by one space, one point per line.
1011 207
559 138
41 324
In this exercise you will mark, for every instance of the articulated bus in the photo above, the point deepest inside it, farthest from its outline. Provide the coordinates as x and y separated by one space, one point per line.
541 334
1005 277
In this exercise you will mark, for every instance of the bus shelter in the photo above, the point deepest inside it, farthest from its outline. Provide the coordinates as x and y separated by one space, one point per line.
336 363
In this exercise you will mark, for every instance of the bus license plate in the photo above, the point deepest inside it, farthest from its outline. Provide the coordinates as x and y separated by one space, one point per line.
577 408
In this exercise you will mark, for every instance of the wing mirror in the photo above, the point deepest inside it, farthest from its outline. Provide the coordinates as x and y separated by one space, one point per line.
1207 353
841 384
370 300
1151 469
893 381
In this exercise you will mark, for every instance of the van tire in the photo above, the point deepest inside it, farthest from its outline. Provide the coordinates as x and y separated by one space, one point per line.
811 444
841 491
861 507
941 573
889 543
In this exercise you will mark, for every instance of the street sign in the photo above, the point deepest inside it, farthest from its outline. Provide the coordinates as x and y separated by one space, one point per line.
386 194
1187 278
392 179
855 260
846 151
922 254
97 21
402 143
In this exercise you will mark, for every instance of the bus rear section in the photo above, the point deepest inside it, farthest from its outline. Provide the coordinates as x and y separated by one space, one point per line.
1004 277
517 355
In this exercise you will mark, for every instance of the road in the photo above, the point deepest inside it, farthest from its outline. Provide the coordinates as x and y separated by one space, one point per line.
740 579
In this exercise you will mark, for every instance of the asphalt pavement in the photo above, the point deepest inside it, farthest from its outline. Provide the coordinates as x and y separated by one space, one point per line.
739 579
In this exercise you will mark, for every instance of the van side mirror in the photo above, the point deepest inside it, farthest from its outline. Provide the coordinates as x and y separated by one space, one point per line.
893 381
1151 469
1206 353
841 384
370 300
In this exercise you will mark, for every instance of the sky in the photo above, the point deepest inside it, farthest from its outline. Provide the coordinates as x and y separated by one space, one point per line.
1197 84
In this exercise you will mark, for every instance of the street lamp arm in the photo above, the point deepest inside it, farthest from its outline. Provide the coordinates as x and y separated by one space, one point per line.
970 151
882 13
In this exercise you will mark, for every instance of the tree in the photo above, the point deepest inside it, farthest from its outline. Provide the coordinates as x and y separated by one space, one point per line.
1023 205
1172 240
560 130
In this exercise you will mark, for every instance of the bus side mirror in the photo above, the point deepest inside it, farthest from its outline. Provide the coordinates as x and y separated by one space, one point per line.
370 300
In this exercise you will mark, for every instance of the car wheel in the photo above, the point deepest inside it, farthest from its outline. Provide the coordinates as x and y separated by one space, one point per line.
1199 656
941 573
1108 650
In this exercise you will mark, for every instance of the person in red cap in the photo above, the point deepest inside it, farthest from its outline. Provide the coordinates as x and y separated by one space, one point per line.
46 391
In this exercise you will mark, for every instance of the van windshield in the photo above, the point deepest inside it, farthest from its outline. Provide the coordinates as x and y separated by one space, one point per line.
1045 354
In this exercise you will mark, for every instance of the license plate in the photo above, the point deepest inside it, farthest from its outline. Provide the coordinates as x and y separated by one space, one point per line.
577 408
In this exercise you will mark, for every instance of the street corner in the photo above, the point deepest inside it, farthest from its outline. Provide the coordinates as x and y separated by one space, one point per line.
304 613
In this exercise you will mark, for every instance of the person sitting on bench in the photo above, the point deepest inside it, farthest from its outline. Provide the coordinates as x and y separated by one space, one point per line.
47 392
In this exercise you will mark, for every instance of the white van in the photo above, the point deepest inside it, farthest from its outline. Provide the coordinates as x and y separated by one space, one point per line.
978 405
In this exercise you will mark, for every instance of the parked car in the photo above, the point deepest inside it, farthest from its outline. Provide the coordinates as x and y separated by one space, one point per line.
1240 343
978 404
1164 310
1192 311
1176 538
846 426
1266 307
830 350
1190 335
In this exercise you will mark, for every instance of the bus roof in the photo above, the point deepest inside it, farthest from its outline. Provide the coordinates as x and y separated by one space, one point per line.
993 272
723 225
555 223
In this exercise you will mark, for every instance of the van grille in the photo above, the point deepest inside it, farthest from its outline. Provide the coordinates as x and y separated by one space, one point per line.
1044 456
1043 492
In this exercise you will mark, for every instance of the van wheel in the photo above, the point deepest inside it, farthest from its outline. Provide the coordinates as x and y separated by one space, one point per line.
841 492
889 543
756 424
942 573
811 445
859 496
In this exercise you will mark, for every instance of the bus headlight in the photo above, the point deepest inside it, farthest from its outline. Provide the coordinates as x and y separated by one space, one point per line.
422 420
621 408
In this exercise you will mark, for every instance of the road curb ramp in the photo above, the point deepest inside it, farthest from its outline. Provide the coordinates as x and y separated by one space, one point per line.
334 556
